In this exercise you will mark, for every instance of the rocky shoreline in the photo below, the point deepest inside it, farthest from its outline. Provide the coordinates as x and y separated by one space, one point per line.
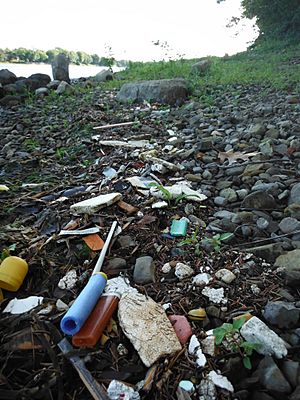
241 150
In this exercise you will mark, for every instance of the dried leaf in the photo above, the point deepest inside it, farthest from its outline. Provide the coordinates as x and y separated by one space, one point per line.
233 157
94 242
127 207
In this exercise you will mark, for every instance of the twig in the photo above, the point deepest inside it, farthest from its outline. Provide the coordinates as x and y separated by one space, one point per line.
266 239
114 125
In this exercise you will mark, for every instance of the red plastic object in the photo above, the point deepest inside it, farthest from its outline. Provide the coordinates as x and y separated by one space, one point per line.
92 330
182 327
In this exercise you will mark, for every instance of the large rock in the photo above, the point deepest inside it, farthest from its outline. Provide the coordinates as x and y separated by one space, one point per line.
170 91
290 262
201 66
268 252
36 81
259 200
282 314
7 77
269 343
272 378
295 194
147 326
102 76
60 68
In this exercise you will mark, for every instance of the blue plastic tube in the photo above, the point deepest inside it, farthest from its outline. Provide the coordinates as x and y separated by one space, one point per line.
82 307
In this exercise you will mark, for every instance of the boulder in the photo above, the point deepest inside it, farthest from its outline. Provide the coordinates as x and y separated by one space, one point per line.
289 262
259 200
7 77
42 92
36 81
201 67
169 91
102 76
64 87
10 100
60 68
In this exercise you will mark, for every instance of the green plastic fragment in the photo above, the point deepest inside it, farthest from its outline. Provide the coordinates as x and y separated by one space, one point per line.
179 227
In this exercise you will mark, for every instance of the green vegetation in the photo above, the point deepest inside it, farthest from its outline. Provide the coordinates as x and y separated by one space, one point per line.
23 55
230 333
215 241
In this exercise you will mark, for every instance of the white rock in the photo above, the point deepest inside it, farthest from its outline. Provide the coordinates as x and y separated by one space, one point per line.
220 381
183 271
195 349
207 390
225 275
166 268
208 345
202 279
91 206
118 390
119 286
69 280
256 331
188 386
147 326
21 306
140 182
61 306
214 295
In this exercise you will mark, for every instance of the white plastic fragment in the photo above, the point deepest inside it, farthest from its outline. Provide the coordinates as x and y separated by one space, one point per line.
140 182
183 271
110 172
119 285
225 275
147 326
270 344
214 295
91 206
61 306
160 204
202 279
166 164
119 143
220 381
83 232
21 306
179 189
195 349
68 281
118 390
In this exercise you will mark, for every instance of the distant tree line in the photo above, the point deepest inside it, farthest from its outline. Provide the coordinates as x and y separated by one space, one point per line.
275 19
22 55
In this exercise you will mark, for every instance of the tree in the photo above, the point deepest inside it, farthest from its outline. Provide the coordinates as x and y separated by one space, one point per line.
274 18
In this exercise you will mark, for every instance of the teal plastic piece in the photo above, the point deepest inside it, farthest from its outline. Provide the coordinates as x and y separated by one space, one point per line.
179 227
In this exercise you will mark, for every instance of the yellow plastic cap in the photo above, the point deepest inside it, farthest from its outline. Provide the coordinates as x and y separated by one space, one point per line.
12 273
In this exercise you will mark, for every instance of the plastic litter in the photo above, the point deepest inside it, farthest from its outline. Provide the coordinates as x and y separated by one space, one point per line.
119 391
69 280
21 306
195 349
179 227
91 206
12 273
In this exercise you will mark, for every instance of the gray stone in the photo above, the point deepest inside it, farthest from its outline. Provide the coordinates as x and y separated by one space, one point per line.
289 224
259 200
170 91
60 68
291 371
242 193
229 194
272 378
291 264
147 326
10 100
7 77
41 92
220 201
268 252
53 85
296 394
257 130
262 223
116 263
201 66
102 76
295 194
293 210
144 270
281 313
64 87
224 214
36 81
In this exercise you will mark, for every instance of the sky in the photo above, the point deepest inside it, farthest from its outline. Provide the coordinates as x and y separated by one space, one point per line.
191 28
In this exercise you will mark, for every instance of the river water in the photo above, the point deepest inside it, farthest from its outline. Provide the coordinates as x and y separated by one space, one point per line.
75 71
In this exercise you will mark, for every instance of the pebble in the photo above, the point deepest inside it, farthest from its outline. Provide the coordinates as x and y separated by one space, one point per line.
225 275
69 280
183 271
281 313
144 270
116 264
202 279
182 327
289 224
289 262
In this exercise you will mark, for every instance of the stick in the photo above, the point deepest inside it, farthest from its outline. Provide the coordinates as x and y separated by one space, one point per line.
114 125
97 392
104 249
